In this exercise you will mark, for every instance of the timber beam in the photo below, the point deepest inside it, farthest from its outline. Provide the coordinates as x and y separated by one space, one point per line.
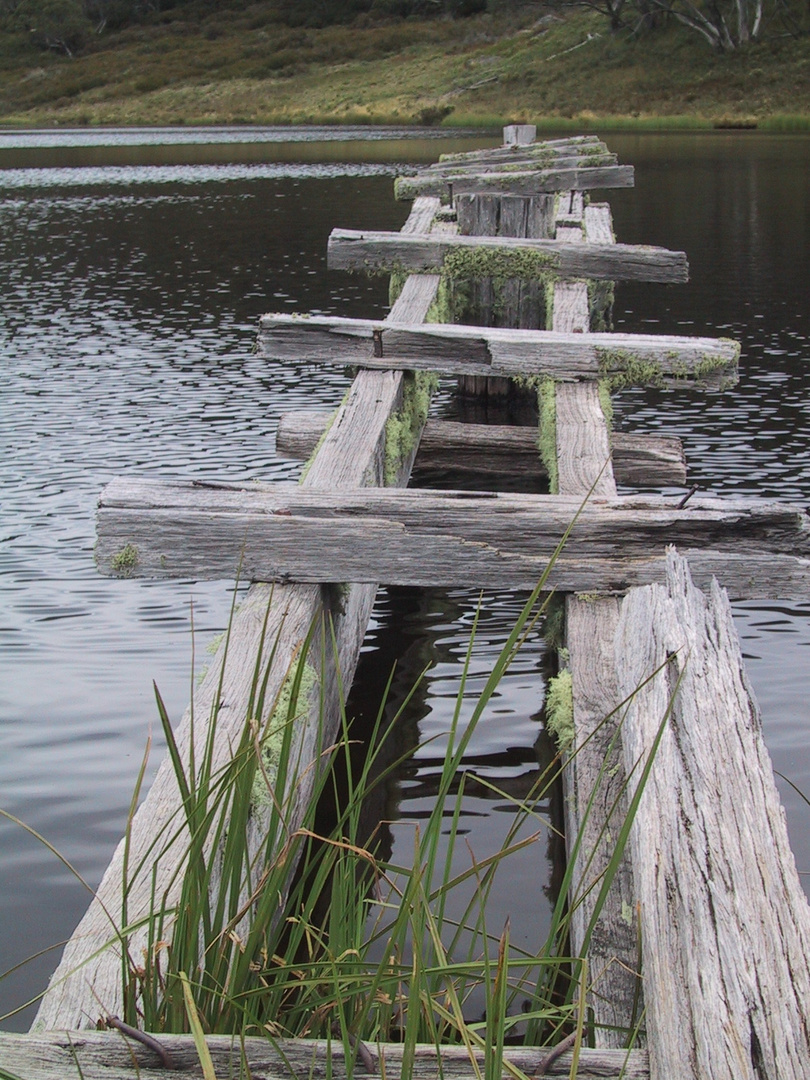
472 257
631 359
283 533
99 1055
513 180
505 451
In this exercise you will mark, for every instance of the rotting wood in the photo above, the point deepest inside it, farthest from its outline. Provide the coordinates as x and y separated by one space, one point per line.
369 250
95 1055
461 350
726 924
516 181
88 979
519 134
502 450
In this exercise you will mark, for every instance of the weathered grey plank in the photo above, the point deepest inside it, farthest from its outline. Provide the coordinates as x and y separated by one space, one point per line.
471 350
570 314
524 161
583 442
502 256
517 182
598 223
87 981
519 134
583 143
726 925
502 450
424 538
595 808
594 777
108 1056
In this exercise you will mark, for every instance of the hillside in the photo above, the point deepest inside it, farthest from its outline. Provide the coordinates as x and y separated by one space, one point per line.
526 63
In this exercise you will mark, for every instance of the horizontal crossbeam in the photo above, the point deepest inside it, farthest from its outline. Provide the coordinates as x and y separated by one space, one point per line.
472 350
285 533
473 257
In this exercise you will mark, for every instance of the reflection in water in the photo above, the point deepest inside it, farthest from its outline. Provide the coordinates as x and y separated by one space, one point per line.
130 298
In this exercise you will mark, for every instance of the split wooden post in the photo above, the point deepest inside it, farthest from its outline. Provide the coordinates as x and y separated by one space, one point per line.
725 922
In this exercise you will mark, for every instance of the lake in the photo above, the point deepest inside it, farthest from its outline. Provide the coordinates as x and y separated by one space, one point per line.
133 268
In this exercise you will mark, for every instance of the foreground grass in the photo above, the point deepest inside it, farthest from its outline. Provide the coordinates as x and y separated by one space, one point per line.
563 69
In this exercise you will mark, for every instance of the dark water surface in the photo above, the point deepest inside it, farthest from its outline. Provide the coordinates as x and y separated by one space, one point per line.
133 269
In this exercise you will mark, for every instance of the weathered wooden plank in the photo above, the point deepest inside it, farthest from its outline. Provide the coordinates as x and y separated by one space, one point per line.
87 981
726 925
423 538
502 450
515 181
598 223
593 781
96 1055
505 215
581 143
534 524
583 442
469 256
472 350
570 313
519 134
524 161
595 809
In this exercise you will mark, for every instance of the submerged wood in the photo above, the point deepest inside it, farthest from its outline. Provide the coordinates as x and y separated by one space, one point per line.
87 982
502 450
726 924
516 181
471 350
108 1056
354 249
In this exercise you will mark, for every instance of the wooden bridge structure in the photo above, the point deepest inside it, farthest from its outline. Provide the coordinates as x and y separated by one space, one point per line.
706 922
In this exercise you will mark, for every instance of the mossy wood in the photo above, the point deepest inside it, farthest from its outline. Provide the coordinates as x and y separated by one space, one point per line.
514 151
530 159
96 1055
422 537
88 981
472 350
504 451
514 180
474 257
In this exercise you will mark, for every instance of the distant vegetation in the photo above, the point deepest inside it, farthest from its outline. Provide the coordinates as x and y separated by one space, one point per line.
741 62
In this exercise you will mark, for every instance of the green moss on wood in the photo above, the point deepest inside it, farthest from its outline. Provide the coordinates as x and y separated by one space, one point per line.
500 264
289 706
404 428
125 560
547 432
601 297
560 709
606 403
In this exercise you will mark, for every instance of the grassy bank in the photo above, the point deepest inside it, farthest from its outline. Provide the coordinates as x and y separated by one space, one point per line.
563 68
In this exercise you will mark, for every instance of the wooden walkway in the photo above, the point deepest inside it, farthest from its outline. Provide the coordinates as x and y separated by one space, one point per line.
706 930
